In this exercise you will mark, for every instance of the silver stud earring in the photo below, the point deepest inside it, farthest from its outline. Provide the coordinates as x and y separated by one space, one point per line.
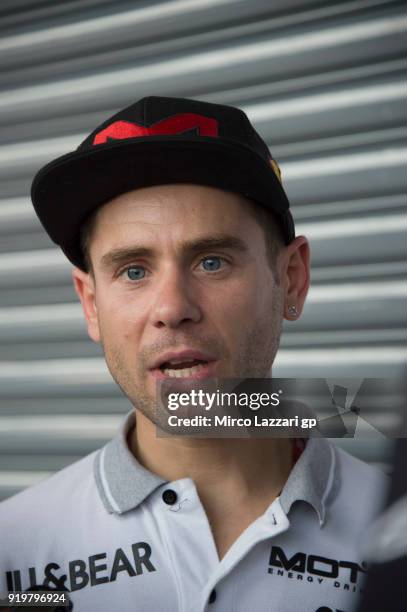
292 311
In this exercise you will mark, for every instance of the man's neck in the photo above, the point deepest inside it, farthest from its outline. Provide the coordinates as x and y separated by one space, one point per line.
236 479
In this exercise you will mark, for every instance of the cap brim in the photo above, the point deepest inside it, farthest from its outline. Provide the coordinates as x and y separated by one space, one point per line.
68 189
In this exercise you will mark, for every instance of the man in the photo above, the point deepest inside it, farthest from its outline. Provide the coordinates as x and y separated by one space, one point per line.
186 263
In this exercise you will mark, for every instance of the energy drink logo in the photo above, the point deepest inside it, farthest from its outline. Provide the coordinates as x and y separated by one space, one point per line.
316 569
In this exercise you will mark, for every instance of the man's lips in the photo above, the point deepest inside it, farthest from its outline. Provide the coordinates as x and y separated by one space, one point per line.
183 359
184 356
205 371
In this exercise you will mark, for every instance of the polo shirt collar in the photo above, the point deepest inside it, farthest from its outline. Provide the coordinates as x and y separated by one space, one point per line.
123 483
313 478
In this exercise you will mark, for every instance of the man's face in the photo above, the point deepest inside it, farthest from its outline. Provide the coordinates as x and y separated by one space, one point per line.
181 275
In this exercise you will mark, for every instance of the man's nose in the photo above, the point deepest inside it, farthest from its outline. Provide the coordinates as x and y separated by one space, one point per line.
175 302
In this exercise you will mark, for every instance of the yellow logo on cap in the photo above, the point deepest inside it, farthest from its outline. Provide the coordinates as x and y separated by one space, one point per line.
276 169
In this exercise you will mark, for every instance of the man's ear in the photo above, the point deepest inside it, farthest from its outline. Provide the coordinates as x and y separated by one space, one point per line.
85 288
296 277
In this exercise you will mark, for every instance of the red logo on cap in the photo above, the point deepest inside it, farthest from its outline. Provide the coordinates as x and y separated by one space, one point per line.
177 124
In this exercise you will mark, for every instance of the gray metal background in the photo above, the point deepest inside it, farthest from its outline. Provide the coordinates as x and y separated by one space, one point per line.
324 82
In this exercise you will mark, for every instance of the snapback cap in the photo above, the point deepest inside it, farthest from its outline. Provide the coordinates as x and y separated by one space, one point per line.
157 141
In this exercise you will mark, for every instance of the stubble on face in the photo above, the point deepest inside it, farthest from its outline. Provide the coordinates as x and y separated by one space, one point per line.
256 352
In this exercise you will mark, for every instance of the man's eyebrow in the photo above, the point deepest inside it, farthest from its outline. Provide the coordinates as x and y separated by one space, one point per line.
221 241
117 256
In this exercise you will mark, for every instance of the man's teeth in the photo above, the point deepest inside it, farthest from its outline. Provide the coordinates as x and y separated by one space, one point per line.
183 372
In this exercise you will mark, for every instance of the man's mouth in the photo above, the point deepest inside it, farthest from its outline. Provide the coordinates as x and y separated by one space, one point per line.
182 369
184 364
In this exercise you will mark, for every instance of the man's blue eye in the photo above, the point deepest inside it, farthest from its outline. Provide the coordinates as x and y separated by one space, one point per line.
211 264
135 273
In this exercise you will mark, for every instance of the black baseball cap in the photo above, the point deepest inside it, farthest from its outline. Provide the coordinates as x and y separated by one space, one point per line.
157 141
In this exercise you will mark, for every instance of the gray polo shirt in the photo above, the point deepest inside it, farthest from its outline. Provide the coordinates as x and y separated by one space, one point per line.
121 538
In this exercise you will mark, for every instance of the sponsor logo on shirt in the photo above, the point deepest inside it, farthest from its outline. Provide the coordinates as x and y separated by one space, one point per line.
80 573
316 569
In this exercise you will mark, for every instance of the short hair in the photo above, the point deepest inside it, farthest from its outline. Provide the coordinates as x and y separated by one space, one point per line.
266 218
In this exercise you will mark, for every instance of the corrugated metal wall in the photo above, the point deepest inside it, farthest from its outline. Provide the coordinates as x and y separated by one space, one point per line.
324 82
